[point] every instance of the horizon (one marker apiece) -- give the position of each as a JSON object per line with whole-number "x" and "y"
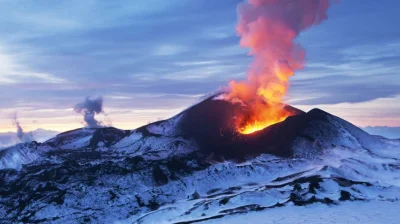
{"x": 153, "y": 59}
{"x": 13, "y": 131}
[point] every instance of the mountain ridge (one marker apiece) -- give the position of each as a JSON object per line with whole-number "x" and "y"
{"x": 164, "y": 171}
{"x": 10, "y": 138}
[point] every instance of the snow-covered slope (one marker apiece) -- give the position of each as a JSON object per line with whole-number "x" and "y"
{"x": 268, "y": 182}
{"x": 87, "y": 137}
{"x": 100, "y": 187}
{"x": 18, "y": 155}
{"x": 83, "y": 139}
{"x": 359, "y": 212}
{"x": 193, "y": 168}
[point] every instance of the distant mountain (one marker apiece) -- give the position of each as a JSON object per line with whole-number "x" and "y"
{"x": 40, "y": 135}
{"x": 195, "y": 167}
{"x": 387, "y": 132}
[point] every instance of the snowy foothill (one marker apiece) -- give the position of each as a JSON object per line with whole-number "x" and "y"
{"x": 374, "y": 212}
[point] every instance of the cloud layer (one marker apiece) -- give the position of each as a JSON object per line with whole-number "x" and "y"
{"x": 160, "y": 55}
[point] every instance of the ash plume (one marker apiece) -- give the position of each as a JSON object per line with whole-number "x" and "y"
{"x": 21, "y": 135}
{"x": 89, "y": 108}
{"x": 269, "y": 28}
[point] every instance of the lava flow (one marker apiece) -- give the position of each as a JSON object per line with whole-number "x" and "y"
{"x": 269, "y": 29}
{"x": 250, "y": 122}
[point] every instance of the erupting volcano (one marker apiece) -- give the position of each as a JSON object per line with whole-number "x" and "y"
{"x": 270, "y": 28}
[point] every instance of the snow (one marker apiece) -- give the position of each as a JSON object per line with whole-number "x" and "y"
{"x": 126, "y": 144}
{"x": 73, "y": 139}
{"x": 15, "y": 157}
{"x": 245, "y": 184}
{"x": 77, "y": 143}
{"x": 127, "y": 169}
{"x": 167, "y": 128}
{"x": 24, "y": 153}
{"x": 349, "y": 212}
{"x": 153, "y": 147}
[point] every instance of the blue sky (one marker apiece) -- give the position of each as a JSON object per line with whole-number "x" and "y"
{"x": 149, "y": 59}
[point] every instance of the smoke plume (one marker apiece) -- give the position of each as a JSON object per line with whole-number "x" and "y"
{"x": 21, "y": 135}
{"x": 89, "y": 108}
{"x": 269, "y": 28}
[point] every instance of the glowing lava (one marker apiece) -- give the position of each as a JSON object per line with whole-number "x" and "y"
{"x": 256, "y": 125}
{"x": 254, "y": 118}
{"x": 269, "y": 29}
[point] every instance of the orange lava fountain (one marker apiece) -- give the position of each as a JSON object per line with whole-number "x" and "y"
{"x": 269, "y": 29}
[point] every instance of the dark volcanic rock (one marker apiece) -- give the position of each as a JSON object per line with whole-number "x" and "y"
{"x": 211, "y": 125}
{"x": 107, "y": 136}
{"x": 104, "y": 136}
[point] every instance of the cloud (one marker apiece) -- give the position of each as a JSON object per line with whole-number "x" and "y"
{"x": 168, "y": 49}
{"x": 204, "y": 72}
{"x": 196, "y": 63}
{"x": 344, "y": 88}
{"x": 387, "y": 132}
{"x": 11, "y": 71}
{"x": 377, "y": 112}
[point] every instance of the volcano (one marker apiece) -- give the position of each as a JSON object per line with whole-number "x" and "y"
{"x": 195, "y": 167}
{"x": 210, "y": 125}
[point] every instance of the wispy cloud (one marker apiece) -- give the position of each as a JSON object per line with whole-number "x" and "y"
{"x": 377, "y": 112}
{"x": 168, "y": 50}
{"x": 344, "y": 88}
{"x": 11, "y": 71}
